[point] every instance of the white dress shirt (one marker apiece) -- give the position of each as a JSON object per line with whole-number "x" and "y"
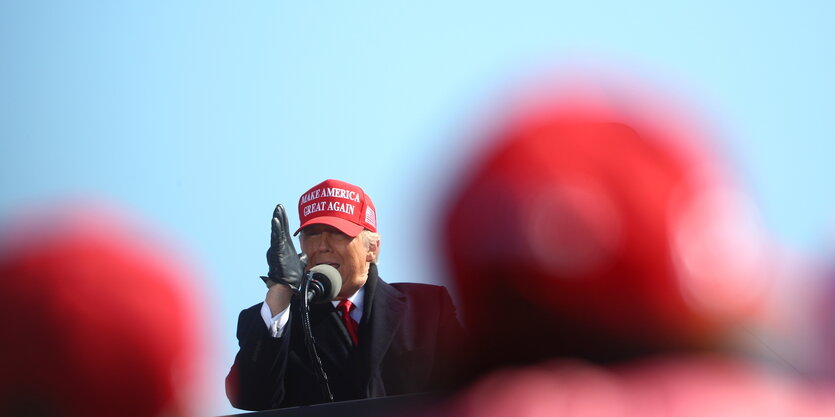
{"x": 275, "y": 324}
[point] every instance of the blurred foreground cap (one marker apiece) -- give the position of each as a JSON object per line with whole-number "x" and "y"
{"x": 96, "y": 317}
{"x": 599, "y": 219}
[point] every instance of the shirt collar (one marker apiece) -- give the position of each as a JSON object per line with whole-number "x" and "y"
{"x": 358, "y": 300}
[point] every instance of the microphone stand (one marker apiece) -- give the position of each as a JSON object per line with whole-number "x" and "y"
{"x": 321, "y": 376}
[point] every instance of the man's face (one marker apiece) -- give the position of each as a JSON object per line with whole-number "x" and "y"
{"x": 351, "y": 256}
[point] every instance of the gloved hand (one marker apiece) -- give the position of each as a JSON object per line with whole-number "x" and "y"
{"x": 286, "y": 267}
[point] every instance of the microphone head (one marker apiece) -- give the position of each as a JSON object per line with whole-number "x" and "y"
{"x": 330, "y": 279}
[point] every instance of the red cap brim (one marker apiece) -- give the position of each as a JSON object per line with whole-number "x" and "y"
{"x": 345, "y": 226}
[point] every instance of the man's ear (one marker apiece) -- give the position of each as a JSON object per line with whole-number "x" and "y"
{"x": 373, "y": 250}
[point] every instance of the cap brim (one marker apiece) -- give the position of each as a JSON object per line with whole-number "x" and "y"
{"x": 349, "y": 228}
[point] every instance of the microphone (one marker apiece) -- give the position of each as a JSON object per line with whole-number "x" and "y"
{"x": 325, "y": 283}
{"x": 320, "y": 285}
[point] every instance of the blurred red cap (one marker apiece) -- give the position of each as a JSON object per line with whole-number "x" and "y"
{"x": 602, "y": 213}
{"x": 95, "y": 318}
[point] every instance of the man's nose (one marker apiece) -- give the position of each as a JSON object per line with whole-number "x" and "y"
{"x": 324, "y": 242}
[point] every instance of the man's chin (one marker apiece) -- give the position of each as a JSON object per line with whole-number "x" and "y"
{"x": 347, "y": 292}
{"x": 344, "y": 295}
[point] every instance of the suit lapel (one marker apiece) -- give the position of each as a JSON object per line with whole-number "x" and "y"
{"x": 383, "y": 312}
{"x": 332, "y": 340}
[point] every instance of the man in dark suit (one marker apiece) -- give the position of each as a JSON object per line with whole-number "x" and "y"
{"x": 375, "y": 339}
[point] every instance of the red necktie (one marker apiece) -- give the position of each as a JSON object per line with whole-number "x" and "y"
{"x": 345, "y": 308}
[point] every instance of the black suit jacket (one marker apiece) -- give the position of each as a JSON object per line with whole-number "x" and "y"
{"x": 409, "y": 340}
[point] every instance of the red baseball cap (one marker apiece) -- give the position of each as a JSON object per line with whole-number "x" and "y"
{"x": 339, "y": 204}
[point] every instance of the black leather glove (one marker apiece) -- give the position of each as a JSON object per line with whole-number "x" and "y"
{"x": 286, "y": 267}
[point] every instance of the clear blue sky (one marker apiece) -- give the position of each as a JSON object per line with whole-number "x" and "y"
{"x": 202, "y": 115}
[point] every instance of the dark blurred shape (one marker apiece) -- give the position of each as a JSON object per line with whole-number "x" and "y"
{"x": 601, "y": 232}
{"x": 822, "y": 324}
{"x": 96, "y": 320}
